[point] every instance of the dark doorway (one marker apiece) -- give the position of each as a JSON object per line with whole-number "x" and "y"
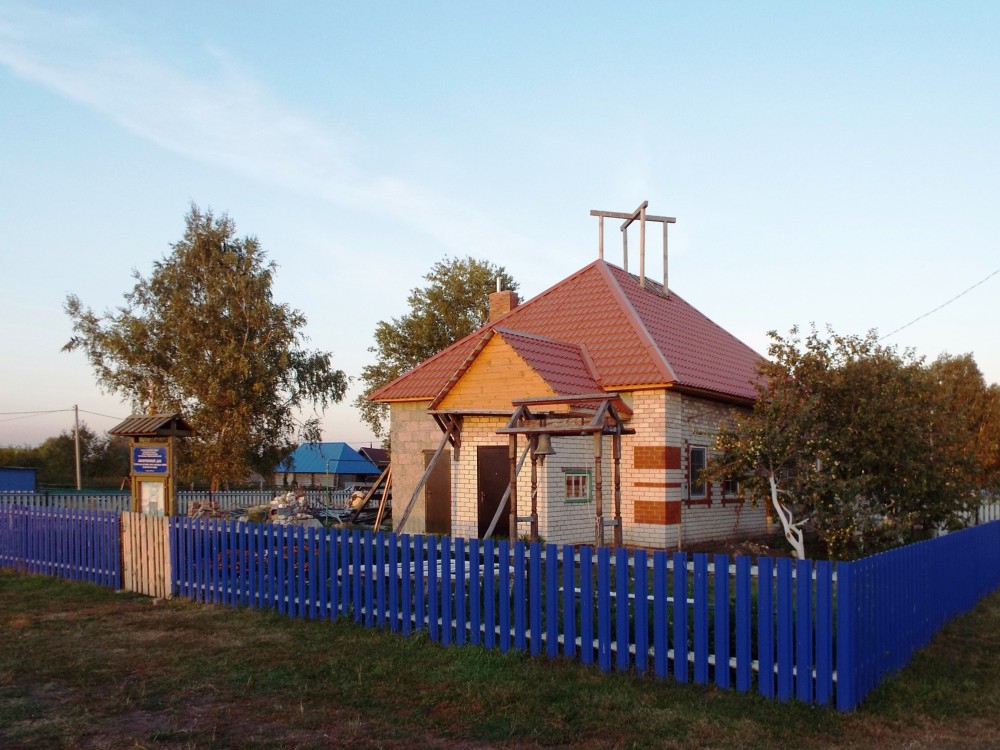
{"x": 437, "y": 494}
{"x": 494, "y": 476}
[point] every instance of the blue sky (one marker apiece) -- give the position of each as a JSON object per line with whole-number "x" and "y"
{"x": 836, "y": 163}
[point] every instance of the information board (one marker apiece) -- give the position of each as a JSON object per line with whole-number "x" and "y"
{"x": 149, "y": 459}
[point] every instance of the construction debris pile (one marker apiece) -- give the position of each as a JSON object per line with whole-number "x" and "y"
{"x": 294, "y": 509}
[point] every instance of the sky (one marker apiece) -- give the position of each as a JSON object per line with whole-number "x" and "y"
{"x": 833, "y": 164}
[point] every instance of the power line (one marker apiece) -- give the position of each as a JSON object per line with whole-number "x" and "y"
{"x": 945, "y": 304}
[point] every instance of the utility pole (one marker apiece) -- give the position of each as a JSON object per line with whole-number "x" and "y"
{"x": 76, "y": 440}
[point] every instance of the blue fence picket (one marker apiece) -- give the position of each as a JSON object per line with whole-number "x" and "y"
{"x": 475, "y": 592}
{"x": 393, "y": 583}
{"x": 765, "y": 626}
{"x": 420, "y": 581}
{"x": 680, "y": 617}
{"x": 569, "y": 601}
{"x": 622, "y": 635}
{"x": 785, "y": 612}
{"x": 552, "y": 600}
{"x": 503, "y": 573}
{"x": 701, "y": 618}
{"x": 432, "y": 588}
{"x": 367, "y": 576}
{"x": 604, "y": 609}
{"x": 744, "y": 604}
{"x": 660, "y": 614}
{"x": 489, "y": 594}
{"x": 587, "y": 605}
{"x": 641, "y": 608}
{"x": 406, "y": 574}
{"x": 520, "y": 616}
{"x": 535, "y": 597}
{"x": 803, "y": 631}
{"x": 824, "y": 632}
{"x": 721, "y": 624}
{"x": 446, "y": 591}
{"x": 461, "y": 576}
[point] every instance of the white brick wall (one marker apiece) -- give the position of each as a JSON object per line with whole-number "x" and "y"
{"x": 660, "y": 418}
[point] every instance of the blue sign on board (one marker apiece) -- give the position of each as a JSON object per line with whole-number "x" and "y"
{"x": 149, "y": 459}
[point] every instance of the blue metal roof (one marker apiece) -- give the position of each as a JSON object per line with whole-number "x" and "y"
{"x": 322, "y": 458}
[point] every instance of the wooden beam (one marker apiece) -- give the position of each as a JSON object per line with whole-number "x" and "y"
{"x": 619, "y": 215}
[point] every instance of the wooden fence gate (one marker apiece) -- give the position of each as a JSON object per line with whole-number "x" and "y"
{"x": 146, "y": 554}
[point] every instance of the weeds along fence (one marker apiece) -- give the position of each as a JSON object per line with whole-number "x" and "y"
{"x": 786, "y": 629}
{"x": 122, "y": 501}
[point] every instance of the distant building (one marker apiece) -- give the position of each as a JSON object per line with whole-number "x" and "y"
{"x": 17, "y": 479}
{"x": 333, "y": 465}
{"x": 378, "y": 456}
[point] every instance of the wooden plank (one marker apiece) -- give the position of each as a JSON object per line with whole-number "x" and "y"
{"x": 569, "y": 602}
{"x": 587, "y": 605}
{"x": 641, "y": 608}
{"x": 803, "y": 631}
{"x": 765, "y": 626}
{"x": 520, "y": 617}
{"x": 503, "y": 571}
{"x": 535, "y": 597}
{"x": 744, "y": 603}
{"x": 701, "y": 618}
{"x": 622, "y": 613}
{"x": 552, "y": 600}
{"x": 446, "y": 601}
{"x": 604, "y": 609}
{"x": 461, "y": 594}
{"x": 722, "y": 621}
{"x": 489, "y": 595}
{"x": 680, "y": 617}
{"x": 660, "y": 622}
{"x": 432, "y": 587}
{"x": 786, "y": 653}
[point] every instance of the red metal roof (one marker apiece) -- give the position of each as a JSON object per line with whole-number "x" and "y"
{"x": 563, "y": 366}
{"x": 632, "y": 336}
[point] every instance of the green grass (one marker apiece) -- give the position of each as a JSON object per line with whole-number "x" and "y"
{"x": 84, "y": 667}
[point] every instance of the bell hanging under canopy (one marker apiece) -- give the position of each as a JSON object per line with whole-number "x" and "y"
{"x": 543, "y": 445}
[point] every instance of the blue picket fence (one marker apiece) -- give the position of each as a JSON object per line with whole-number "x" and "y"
{"x": 79, "y": 545}
{"x": 891, "y": 604}
{"x": 702, "y": 618}
{"x": 786, "y": 629}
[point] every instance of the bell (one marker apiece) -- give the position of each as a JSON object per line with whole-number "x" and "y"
{"x": 543, "y": 445}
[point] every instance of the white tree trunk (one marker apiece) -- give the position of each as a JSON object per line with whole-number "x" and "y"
{"x": 793, "y": 531}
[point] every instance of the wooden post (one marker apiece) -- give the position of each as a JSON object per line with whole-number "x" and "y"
{"x": 666, "y": 290}
{"x": 617, "y": 452}
{"x": 512, "y": 455}
{"x": 625, "y": 250}
{"x": 534, "y": 490}
{"x": 642, "y": 245}
{"x": 598, "y": 496}
{"x": 600, "y": 237}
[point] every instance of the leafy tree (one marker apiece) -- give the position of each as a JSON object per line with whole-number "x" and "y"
{"x": 202, "y": 335}
{"x": 453, "y": 304}
{"x": 104, "y": 460}
{"x": 855, "y": 440}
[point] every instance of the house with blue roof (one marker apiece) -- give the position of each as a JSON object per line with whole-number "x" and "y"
{"x": 334, "y": 465}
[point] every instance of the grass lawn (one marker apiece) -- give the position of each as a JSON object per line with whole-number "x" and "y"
{"x": 84, "y": 667}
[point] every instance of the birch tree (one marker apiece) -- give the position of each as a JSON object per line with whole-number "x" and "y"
{"x": 202, "y": 335}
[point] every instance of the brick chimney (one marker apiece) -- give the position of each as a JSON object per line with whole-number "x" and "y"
{"x": 502, "y": 303}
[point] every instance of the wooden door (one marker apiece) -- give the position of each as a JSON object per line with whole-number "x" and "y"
{"x": 493, "y": 471}
{"x": 437, "y": 495}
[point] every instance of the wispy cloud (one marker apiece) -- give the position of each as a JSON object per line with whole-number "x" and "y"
{"x": 224, "y": 118}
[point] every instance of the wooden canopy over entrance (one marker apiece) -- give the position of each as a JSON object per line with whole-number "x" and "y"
{"x": 575, "y": 416}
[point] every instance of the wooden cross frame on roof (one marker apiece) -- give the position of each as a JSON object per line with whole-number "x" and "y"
{"x": 589, "y": 414}
{"x": 642, "y": 217}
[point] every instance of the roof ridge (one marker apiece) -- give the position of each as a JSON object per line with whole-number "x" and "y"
{"x": 647, "y": 340}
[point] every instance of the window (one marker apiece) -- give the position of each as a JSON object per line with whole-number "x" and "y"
{"x": 578, "y": 486}
{"x": 731, "y": 490}
{"x": 697, "y": 486}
